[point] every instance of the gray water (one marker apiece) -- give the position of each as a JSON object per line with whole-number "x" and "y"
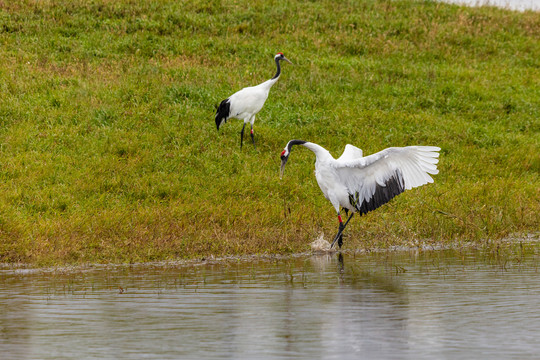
{"x": 428, "y": 305}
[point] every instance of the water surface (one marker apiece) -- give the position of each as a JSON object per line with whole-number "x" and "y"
{"x": 427, "y": 305}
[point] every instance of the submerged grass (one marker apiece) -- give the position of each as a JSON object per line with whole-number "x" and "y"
{"x": 109, "y": 152}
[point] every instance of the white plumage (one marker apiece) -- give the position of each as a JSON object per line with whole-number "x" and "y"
{"x": 362, "y": 184}
{"x": 246, "y": 103}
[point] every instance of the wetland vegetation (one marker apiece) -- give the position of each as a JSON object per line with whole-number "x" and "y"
{"x": 108, "y": 146}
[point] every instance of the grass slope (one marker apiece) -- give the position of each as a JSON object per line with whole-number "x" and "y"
{"x": 109, "y": 152}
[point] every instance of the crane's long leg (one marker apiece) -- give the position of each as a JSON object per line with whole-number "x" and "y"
{"x": 339, "y": 235}
{"x": 242, "y": 135}
{"x": 252, "y": 136}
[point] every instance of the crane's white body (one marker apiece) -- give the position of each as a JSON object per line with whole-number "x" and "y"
{"x": 246, "y": 103}
{"x": 365, "y": 178}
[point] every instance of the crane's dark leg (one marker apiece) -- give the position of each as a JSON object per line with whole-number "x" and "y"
{"x": 339, "y": 235}
{"x": 252, "y": 136}
{"x": 242, "y": 135}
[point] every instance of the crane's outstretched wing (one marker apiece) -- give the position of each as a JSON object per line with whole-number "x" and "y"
{"x": 351, "y": 152}
{"x": 375, "y": 179}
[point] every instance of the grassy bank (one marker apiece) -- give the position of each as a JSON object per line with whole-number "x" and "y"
{"x": 109, "y": 152}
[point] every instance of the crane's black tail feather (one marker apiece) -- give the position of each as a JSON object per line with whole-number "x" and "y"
{"x": 223, "y": 112}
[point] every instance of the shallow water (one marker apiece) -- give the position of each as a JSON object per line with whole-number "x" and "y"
{"x": 426, "y": 305}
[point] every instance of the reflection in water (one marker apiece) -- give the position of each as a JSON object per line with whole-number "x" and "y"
{"x": 402, "y": 306}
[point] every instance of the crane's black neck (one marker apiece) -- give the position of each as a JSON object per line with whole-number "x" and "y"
{"x": 278, "y": 72}
{"x": 295, "y": 142}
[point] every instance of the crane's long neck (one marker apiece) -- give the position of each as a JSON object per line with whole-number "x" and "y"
{"x": 269, "y": 83}
{"x": 278, "y": 71}
{"x": 320, "y": 152}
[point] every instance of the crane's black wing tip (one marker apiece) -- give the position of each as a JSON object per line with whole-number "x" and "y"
{"x": 394, "y": 186}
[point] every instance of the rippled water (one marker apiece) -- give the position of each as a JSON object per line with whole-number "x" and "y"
{"x": 430, "y": 305}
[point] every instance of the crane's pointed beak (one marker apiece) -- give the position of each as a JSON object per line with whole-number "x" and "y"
{"x": 282, "y": 169}
{"x": 287, "y": 60}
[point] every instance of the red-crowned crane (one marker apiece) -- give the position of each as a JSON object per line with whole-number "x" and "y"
{"x": 246, "y": 103}
{"x": 362, "y": 184}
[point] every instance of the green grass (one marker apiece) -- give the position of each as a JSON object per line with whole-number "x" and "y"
{"x": 108, "y": 146}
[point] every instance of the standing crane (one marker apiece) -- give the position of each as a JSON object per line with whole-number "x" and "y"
{"x": 362, "y": 184}
{"x": 246, "y": 103}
